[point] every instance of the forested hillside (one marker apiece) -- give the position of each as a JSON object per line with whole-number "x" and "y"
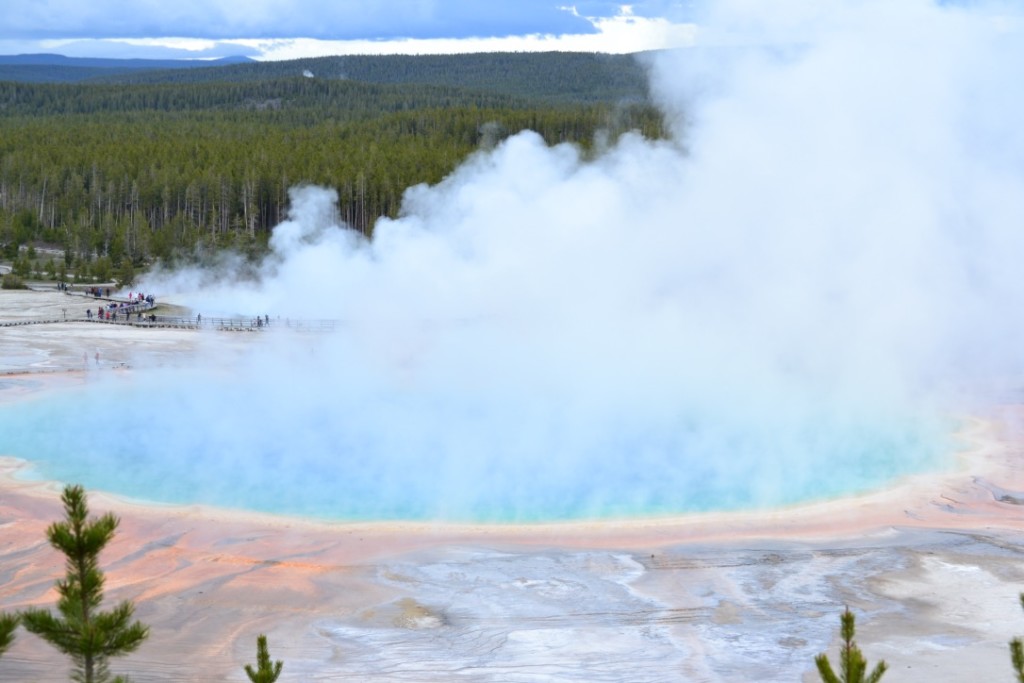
{"x": 121, "y": 175}
{"x": 567, "y": 77}
{"x": 302, "y": 98}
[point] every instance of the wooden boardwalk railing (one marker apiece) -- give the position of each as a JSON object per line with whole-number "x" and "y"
{"x": 137, "y": 313}
{"x": 184, "y": 323}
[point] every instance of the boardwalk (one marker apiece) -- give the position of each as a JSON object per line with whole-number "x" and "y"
{"x": 183, "y": 323}
{"x": 139, "y": 314}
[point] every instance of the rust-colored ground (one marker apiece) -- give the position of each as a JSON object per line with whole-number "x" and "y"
{"x": 932, "y": 566}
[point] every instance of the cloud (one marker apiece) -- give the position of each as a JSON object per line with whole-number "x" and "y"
{"x": 226, "y": 19}
{"x": 287, "y": 31}
{"x": 619, "y": 35}
{"x": 782, "y": 22}
{"x": 128, "y": 48}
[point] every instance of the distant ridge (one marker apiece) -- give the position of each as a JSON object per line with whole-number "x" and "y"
{"x": 108, "y": 63}
{"x": 55, "y": 68}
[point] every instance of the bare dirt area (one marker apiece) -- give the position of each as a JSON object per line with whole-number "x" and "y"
{"x": 72, "y": 342}
{"x": 932, "y": 566}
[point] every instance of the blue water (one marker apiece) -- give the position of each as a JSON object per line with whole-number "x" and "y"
{"x": 411, "y": 457}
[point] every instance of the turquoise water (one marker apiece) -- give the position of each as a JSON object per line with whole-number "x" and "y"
{"x": 413, "y": 457}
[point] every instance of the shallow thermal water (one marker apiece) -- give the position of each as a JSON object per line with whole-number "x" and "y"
{"x": 181, "y": 438}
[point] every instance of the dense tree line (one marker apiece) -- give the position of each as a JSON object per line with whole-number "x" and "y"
{"x": 552, "y": 76}
{"x": 564, "y": 77}
{"x": 119, "y": 176}
{"x": 314, "y": 97}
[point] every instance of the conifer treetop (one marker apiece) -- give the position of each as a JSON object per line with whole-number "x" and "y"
{"x": 264, "y": 671}
{"x": 90, "y": 637}
{"x": 852, "y": 665}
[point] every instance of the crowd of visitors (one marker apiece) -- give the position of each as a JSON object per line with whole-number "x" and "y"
{"x": 123, "y": 310}
{"x": 118, "y": 310}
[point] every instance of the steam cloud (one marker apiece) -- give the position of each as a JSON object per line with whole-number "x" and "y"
{"x": 788, "y": 298}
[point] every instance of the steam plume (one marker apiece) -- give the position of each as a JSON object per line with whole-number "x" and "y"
{"x": 788, "y": 298}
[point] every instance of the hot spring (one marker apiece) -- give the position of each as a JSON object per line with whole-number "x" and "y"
{"x": 343, "y": 450}
{"x": 778, "y": 304}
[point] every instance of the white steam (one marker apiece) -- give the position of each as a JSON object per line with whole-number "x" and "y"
{"x": 804, "y": 279}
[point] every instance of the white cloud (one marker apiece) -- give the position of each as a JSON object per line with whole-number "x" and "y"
{"x": 618, "y": 35}
{"x": 622, "y": 32}
{"x": 322, "y": 19}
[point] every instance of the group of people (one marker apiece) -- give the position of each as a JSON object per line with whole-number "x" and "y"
{"x": 134, "y": 305}
{"x": 139, "y": 298}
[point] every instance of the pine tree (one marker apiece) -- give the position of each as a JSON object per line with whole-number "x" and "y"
{"x": 1017, "y": 653}
{"x": 852, "y": 664}
{"x": 8, "y": 623}
{"x": 264, "y": 671}
{"x": 84, "y": 633}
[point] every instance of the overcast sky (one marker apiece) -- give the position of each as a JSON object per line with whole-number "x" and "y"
{"x": 283, "y": 29}
{"x": 288, "y": 29}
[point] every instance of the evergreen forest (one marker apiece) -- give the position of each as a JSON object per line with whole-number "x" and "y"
{"x": 119, "y": 168}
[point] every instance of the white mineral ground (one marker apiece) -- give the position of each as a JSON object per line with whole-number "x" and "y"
{"x": 932, "y": 566}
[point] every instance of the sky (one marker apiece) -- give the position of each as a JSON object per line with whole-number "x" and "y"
{"x": 292, "y": 29}
{"x": 288, "y": 29}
